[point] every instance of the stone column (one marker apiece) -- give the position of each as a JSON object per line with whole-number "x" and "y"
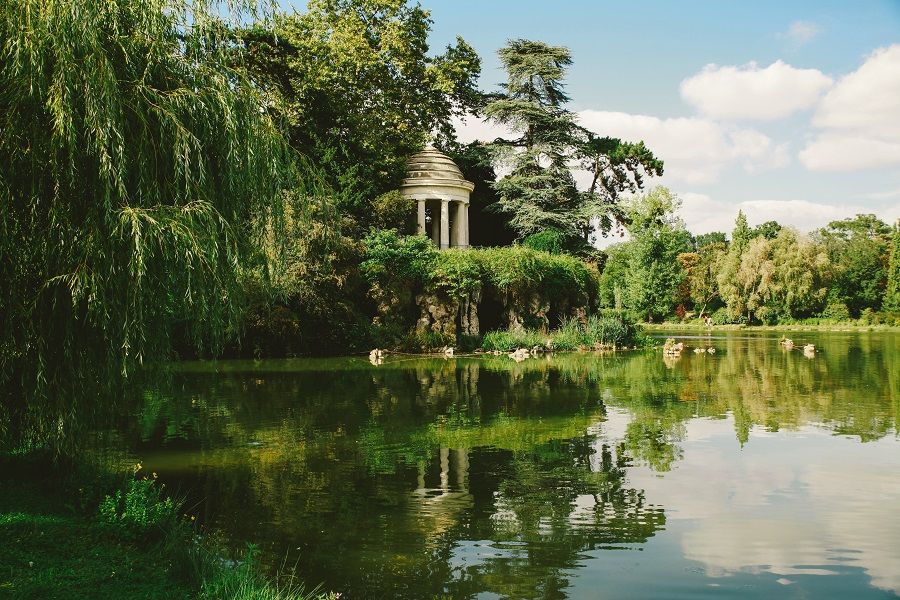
{"x": 420, "y": 220}
{"x": 465, "y": 224}
{"x": 445, "y": 224}
{"x": 436, "y": 227}
{"x": 455, "y": 239}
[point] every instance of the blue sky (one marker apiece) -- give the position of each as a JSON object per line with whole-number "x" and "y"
{"x": 787, "y": 110}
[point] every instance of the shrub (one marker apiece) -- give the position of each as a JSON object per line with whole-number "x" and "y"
{"x": 549, "y": 240}
{"x": 391, "y": 256}
{"x": 610, "y": 330}
{"x": 597, "y": 330}
{"x": 507, "y": 341}
{"x": 767, "y": 315}
{"x": 141, "y": 511}
{"x": 393, "y": 210}
{"x": 836, "y": 311}
{"x": 722, "y": 316}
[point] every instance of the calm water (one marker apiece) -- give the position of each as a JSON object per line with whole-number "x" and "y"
{"x": 749, "y": 472}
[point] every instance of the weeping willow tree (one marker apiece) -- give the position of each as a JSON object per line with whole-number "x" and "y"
{"x": 138, "y": 171}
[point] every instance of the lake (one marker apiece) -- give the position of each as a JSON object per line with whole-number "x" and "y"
{"x": 749, "y": 472}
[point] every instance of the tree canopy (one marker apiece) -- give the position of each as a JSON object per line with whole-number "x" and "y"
{"x": 136, "y": 171}
{"x": 540, "y": 191}
{"x": 358, "y": 90}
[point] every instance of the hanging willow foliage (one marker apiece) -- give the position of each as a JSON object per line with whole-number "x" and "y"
{"x": 138, "y": 169}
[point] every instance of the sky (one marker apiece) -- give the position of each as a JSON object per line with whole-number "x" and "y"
{"x": 785, "y": 110}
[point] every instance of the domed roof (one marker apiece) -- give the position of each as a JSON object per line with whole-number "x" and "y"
{"x": 432, "y": 164}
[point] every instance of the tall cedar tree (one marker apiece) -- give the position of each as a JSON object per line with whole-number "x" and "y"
{"x": 540, "y": 191}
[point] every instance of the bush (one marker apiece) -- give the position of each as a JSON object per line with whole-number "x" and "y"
{"x": 391, "y": 256}
{"x": 507, "y": 341}
{"x": 141, "y": 511}
{"x": 767, "y": 315}
{"x": 610, "y": 330}
{"x": 836, "y": 311}
{"x": 723, "y": 317}
{"x": 550, "y": 240}
{"x": 393, "y": 210}
{"x": 596, "y": 331}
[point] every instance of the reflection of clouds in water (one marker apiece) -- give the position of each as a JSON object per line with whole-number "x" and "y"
{"x": 781, "y": 506}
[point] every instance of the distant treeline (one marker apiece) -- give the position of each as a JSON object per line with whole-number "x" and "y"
{"x": 768, "y": 274}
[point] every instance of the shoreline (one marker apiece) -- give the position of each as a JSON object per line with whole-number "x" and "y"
{"x": 836, "y": 328}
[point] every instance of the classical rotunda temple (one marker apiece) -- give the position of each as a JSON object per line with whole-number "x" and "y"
{"x": 435, "y": 182}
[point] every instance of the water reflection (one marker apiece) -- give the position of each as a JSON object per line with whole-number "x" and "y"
{"x": 549, "y": 477}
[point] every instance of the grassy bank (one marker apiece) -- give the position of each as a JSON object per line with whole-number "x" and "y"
{"x": 596, "y": 332}
{"x": 835, "y": 327}
{"x": 62, "y": 536}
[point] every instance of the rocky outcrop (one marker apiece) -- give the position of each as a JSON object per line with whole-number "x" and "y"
{"x": 437, "y": 314}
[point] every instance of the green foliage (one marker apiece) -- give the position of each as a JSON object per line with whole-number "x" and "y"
{"x": 723, "y": 316}
{"x": 141, "y": 511}
{"x": 705, "y": 239}
{"x": 892, "y": 290}
{"x": 597, "y": 331}
{"x": 645, "y": 269}
{"x": 858, "y": 250}
{"x": 741, "y": 234}
{"x": 775, "y": 279}
{"x": 539, "y": 193}
{"x": 356, "y": 85}
{"x": 507, "y": 341}
{"x": 393, "y": 210}
{"x": 836, "y": 311}
{"x": 390, "y": 257}
{"x": 137, "y": 175}
{"x": 244, "y": 582}
{"x": 549, "y": 240}
{"x": 701, "y": 269}
{"x": 412, "y": 260}
{"x": 768, "y": 230}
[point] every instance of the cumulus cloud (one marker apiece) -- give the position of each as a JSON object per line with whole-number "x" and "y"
{"x": 859, "y": 118}
{"x": 780, "y": 516}
{"x": 751, "y": 92}
{"x": 695, "y": 150}
{"x": 702, "y": 213}
{"x": 472, "y": 129}
{"x": 801, "y": 32}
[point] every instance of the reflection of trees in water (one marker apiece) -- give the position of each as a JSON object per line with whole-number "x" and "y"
{"x": 378, "y": 474}
{"x": 558, "y": 502}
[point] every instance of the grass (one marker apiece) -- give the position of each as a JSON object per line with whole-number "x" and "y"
{"x": 825, "y": 327}
{"x": 595, "y": 332}
{"x": 56, "y": 545}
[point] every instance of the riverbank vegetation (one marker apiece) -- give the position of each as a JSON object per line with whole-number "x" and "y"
{"x": 199, "y": 179}
{"x": 843, "y": 274}
{"x": 65, "y": 530}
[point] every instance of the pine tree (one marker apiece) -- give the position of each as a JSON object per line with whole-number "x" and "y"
{"x": 540, "y": 191}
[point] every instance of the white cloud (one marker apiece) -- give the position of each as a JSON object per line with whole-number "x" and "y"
{"x": 840, "y": 152}
{"x": 801, "y": 32}
{"x": 772, "y": 507}
{"x": 695, "y": 150}
{"x": 702, "y": 213}
{"x": 886, "y": 195}
{"x": 860, "y": 118}
{"x": 751, "y": 92}
{"x": 474, "y": 129}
